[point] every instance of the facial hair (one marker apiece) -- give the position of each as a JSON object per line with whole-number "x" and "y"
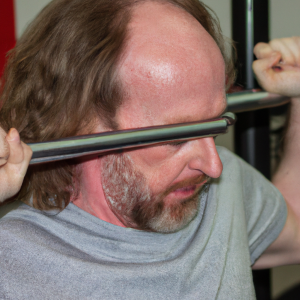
{"x": 136, "y": 206}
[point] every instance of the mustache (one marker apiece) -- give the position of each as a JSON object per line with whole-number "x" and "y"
{"x": 143, "y": 211}
{"x": 187, "y": 183}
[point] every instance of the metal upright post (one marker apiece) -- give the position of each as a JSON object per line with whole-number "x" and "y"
{"x": 249, "y": 44}
{"x": 249, "y": 26}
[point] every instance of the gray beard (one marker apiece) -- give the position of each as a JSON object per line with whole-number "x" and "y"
{"x": 131, "y": 200}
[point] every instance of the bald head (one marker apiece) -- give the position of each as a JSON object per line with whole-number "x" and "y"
{"x": 171, "y": 71}
{"x": 169, "y": 62}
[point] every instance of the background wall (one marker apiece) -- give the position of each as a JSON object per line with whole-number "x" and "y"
{"x": 7, "y": 30}
{"x": 25, "y": 11}
{"x": 284, "y": 21}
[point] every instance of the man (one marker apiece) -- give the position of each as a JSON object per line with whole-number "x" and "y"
{"x": 143, "y": 224}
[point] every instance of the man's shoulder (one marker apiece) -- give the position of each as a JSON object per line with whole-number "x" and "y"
{"x": 18, "y": 225}
{"x": 231, "y": 161}
{"x": 21, "y": 213}
{"x": 28, "y": 235}
{"x": 26, "y": 226}
{"x": 226, "y": 155}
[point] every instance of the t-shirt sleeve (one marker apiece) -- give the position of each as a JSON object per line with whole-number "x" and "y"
{"x": 265, "y": 210}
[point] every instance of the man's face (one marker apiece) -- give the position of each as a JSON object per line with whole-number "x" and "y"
{"x": 133, "y": 202}
{"x": 172, "y": 72}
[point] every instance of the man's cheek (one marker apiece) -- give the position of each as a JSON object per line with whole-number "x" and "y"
{"x": 152, "y": 157}
{"x": 160, "y": 180}
{"x": 159, "y": 165}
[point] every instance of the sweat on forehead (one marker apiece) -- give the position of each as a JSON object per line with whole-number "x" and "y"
{"x": 168, "y": 54}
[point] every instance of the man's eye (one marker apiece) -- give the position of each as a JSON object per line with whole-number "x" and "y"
{"x": 177, "y": 144}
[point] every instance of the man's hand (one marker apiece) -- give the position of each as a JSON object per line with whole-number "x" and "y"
{"x": 278, "y": 66}
{"x": 14, "y": 160}
{"x": 278, "y": 71}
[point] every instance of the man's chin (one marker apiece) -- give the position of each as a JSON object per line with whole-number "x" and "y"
{"x": 175, "y": 217}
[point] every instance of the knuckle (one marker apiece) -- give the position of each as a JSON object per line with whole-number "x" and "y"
{"x": 276, "y": 44}
{"x": 260, "y": 47}
{"x": 297, "y": 40}
{"x": 258, "y": 67}
{"x": 273, "y": 42}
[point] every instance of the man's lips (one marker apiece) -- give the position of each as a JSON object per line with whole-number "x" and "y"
{"x": 189, "y": 190}
{"x": 185, "y": 192}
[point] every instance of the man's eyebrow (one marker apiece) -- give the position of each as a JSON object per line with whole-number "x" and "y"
{"x": 181, "y": 120}
{"x": 187, "y": 119}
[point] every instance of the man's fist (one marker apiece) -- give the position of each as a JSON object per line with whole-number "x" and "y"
{"x": 278, "y": 66}
{"x": 14, "y": 160}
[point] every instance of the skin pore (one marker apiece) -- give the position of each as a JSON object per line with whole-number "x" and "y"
{"x": 171, "y": 71}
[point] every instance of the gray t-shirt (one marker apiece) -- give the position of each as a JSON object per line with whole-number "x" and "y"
{"x": 74, "y": 255}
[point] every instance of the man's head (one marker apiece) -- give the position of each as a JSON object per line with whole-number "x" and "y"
{"x": 178, "y": 77}
{"x": 76, "y": 65}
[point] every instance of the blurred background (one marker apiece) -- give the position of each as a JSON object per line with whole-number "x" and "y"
{"x": 284, "y": 21}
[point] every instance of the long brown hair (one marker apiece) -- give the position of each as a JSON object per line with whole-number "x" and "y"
{"x": 61, "y": 76}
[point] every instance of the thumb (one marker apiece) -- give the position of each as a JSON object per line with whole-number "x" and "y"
{"x": 16, "y": 154}
{"x": 266, "y": 63}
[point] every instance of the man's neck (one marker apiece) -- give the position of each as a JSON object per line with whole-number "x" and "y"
{"x": 91, "y": 197}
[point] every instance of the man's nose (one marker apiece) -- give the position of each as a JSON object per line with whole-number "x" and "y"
{"x": 205, "y": 157}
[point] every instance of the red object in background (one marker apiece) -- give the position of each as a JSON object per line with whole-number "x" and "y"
{"x": 7, "y": 30}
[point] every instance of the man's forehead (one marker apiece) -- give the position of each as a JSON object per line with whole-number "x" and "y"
{"x": 136, "y": 114}
{"x": 169, "y": 62}
{"x": 163, "y": 16}
{"x": 154, "y": 25}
